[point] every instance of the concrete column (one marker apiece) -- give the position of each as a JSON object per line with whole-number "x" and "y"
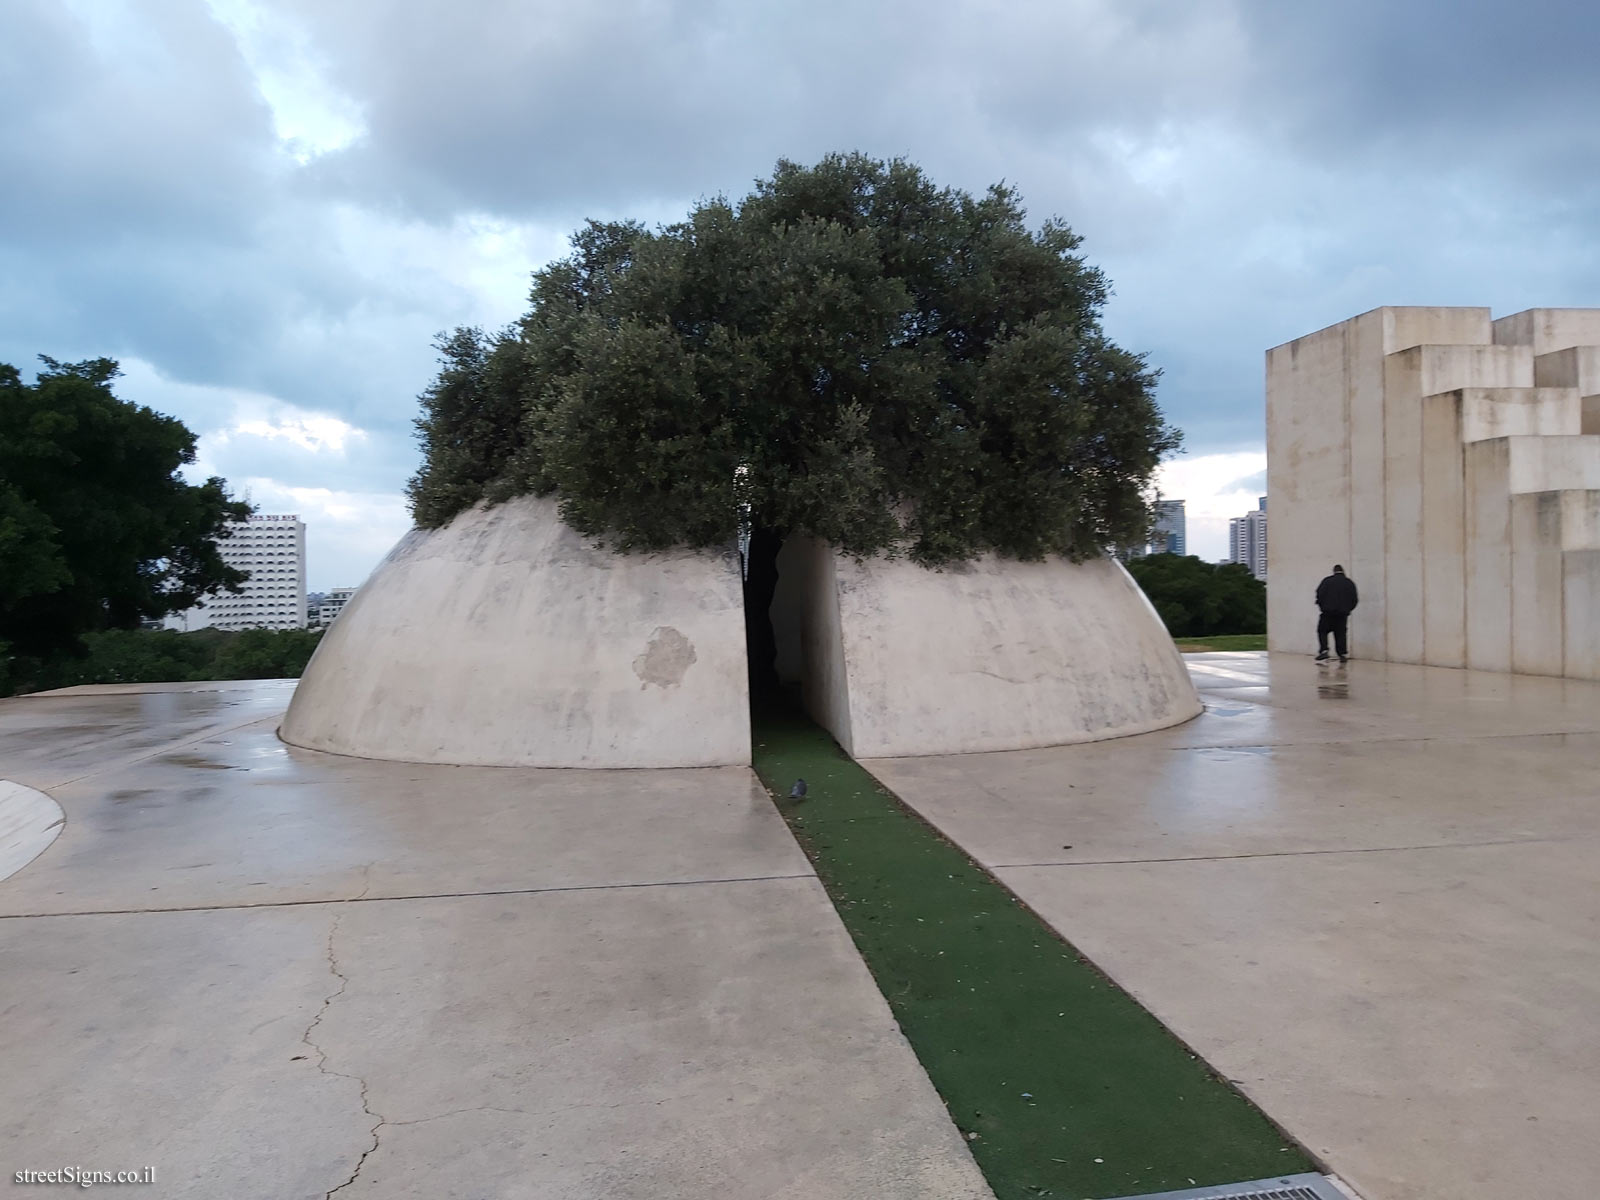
{"x": 1536, "y": 583}
{"x": 1444, "y": 531}
{"x": 1488, "y": 544}
{"x": 1580, "y": 578}
{"x": 1308, "y": 476}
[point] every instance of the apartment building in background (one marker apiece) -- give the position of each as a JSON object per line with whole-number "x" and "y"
{"x": 1247, "y": 540}
{"x": 332, "y": 605}
{"x": 272, "y": 549}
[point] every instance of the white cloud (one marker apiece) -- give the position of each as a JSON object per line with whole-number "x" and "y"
{"x": 309, "y": 115}
{"x": 1208, "y": 484}
{"x": 347, "y": 533}
{"x": 315, "y": 432}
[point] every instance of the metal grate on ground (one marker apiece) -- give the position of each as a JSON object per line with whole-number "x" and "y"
{"x": 1286, "y": 1187}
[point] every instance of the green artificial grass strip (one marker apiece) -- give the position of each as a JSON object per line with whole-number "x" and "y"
{"x": 1071, "y": 1088}
{"x": 1223, "y": 641}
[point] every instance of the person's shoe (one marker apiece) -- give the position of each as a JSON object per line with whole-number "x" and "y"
{"x": 1322, "y": 656}
{"x": 1344, "y": 658}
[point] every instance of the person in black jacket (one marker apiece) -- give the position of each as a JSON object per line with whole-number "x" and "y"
{"x": 1336, "y": 597}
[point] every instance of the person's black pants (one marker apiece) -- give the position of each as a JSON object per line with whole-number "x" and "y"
{"x": 1336, "y": 624}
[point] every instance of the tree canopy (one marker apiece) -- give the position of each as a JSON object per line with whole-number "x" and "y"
{"x": 850, "y": 352}
{"x": 1201, "y": 599}
{"x": 97, "y": 529}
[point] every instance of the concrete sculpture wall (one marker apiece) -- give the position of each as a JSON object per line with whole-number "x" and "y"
{"x": 506, "y": 639}
{"x": 990, "y": 655}
{"x": 1452, "y": 463}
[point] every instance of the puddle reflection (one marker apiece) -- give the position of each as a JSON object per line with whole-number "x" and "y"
{"x": 1334, "y": 687}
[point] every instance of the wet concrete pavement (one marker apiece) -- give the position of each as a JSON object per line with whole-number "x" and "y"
{"x": 1370, "y": 895}
{"x": 271, "y": 972}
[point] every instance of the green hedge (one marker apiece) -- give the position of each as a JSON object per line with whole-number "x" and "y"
{"x": 164, "y": 656}
{"x": 1199, "y": 599}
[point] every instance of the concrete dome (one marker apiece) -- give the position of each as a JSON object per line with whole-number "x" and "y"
{"x": 506, "y": 639}
{"x": 992, "y": 654}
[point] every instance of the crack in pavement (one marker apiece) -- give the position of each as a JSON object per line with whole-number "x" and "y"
{"x": 363, "y": 898}
{"x": 322, "y": 1055}
{"x": 1137, "y": 862}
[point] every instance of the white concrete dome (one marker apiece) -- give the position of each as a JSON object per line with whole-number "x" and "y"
{"x": 506, "y": 639}
{"x": 992, "y": 654}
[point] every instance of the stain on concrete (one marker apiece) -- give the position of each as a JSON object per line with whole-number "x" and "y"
{"x": 666, "y": 659}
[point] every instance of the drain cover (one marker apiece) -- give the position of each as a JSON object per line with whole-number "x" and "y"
{"x": 1285, "y": 1187}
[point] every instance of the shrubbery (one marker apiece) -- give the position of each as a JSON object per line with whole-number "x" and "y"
{"x": 164, "y": 656}
{"x": 1199, "y": 599}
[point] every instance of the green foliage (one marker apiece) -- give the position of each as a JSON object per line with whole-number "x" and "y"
{"x": 1199, "y": 599}
{"x": 850, "y": 351}
{"x": 265, "y": 654}
{"x": 97, "y": 529}
{"x": 164, "y": 656}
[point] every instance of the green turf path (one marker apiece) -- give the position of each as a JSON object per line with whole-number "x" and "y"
{"x": 1072, "y": 1089}
{"x": 1223, "y": 641}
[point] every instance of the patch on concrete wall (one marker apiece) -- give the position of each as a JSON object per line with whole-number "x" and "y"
{"x": 665, "y": 660}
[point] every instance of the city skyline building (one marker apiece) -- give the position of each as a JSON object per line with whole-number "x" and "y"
{"x": 1247, "y": 540}
{"x": 1169, "y": 535}
{"x": 1171, "y": 532}
{"x": 272, "y": 549}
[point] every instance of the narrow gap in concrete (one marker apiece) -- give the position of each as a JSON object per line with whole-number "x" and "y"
{"x": 761, "y": 582}
{"x": 1062, "y": 1084}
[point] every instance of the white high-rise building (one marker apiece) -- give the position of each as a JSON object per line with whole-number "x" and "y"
{"x": 1247, "y": 540}
{"x": 333, "y": 604}
{"x": 273, "y": 550}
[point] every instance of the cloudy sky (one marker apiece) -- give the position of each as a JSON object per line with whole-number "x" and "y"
{"x": 265, "y": 209}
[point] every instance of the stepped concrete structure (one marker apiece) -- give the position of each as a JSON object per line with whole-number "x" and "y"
{"x": 1451, "y": 463}
{"x": 895, "y": 659}
{"x": 506, "y": 639}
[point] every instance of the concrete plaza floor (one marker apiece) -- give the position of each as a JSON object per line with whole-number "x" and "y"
{"x": 268, "y": 972}
{"x": 1369, "y": 895}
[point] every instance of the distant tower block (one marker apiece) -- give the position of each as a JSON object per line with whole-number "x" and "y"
{"x": 506, "y": 639}
{"x": 1452, "y": 464}
{"x": 894, "y": 659}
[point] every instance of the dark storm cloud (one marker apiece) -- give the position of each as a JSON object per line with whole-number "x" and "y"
{"x": 1245, "y": 172}
{"x": 151, "y": 213}
{"x": 1512, "y": 82}
{"x": 555, "y": 110}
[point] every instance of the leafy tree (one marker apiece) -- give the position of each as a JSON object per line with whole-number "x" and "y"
{"x": 266, "y": 654}
{"x": 97, "y": 529}
{"x": 1201, "y": 599}
{"x": 849, "y": 352}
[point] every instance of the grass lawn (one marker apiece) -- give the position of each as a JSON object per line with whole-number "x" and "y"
{"x": 1225, "y": 641}
{"x": 1063, "y": 1085}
